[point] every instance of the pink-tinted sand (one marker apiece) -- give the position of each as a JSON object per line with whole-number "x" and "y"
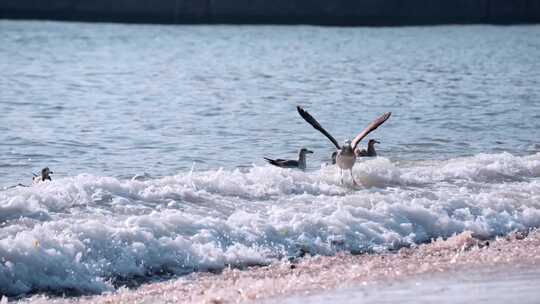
{"x": 321, "y": 273}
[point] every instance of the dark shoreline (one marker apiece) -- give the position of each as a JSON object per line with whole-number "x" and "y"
{"x": 287, "y": 12}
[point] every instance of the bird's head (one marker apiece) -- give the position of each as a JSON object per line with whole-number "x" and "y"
{"x": 304, "y": 151}
{"x": 373, "y": 141}
{"x": 346, "y": 145}
{"x": 45, "y": 172}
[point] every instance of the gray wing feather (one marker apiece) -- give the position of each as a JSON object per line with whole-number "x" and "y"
{"x": 283, "y": 163}
{"x": 315, "y": 124}
{"x": 372, "y": 126}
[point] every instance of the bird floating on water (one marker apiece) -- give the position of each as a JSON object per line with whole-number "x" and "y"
{"x": 370, "y": 149}
{"x": 345, "y": 155}
{"x": 45, "y": 175}
{"x": 290, "y": 163}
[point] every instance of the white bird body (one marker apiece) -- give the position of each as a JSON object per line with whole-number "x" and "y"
{"x": 37, "y": 179}
{"x": 345, "y": 159}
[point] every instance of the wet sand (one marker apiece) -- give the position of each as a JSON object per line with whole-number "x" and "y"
{"x": 434, "y": 269}
{"x": 507, "y": 285}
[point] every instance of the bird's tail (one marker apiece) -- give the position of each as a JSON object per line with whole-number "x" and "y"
{"x": 270, "y": 161}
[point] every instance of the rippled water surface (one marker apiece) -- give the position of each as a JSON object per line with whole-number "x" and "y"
{"x": 126, "y": 99}
{"x": 193, "y": 109}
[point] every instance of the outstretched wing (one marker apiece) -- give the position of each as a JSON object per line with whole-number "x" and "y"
{"x": 313, "y": 122}
{"x": 372, "y": 126}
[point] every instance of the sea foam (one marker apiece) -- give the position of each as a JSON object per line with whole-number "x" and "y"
{"x": 87, "y": 234}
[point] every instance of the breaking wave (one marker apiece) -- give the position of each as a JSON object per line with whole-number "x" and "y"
{"x": 84, "y": 233}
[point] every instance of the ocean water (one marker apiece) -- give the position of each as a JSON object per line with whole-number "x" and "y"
{"x": 156, "y": 136}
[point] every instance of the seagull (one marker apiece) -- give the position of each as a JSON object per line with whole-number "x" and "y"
{"x": 370, "y": 149}
{"x": 290, "y": 163}
{"x": 345, "y": 156}
{"x": 45, "y": 175}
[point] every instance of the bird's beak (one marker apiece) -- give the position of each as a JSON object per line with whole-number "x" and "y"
{"x": 377, "y": 142}
{"x": 309, "y": 151}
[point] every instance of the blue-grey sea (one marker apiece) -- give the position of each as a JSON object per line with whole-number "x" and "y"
{"x": 156, "y": 137}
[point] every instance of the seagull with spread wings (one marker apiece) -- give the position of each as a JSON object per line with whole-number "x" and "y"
{"x": 345, "y": 156}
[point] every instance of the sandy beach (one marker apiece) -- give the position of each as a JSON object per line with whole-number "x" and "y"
{"x": 433, "y": 269}
{"x": 509, "y": 284}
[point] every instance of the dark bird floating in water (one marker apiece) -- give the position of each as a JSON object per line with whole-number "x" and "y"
{"x": 290, "y": 163}
{"x": 345, "y": 156}
{"x": 45, "y": 175}
{"x": 370, "y": 149}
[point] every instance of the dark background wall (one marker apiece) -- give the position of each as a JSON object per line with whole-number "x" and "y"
{"x": 330, "y": 12}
